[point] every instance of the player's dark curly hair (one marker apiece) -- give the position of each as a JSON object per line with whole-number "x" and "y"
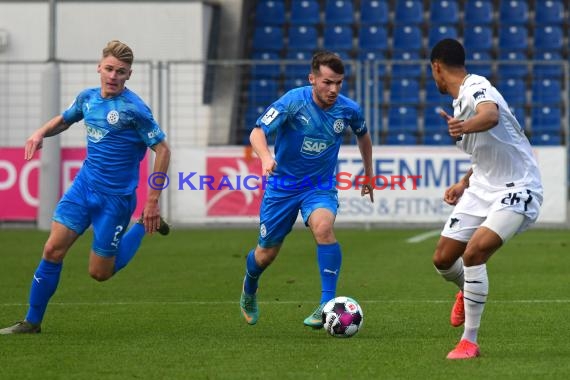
{"x": 328, "y": 59}
{"x": 449, "y": 52}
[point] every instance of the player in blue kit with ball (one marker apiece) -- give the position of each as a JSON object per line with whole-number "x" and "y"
{"x": 120, "y": 127}
{"x": 309, "y": 123}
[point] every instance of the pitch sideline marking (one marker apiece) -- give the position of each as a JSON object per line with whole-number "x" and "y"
{"x": 421, "y": 237}
{"x": 136, "y": 303}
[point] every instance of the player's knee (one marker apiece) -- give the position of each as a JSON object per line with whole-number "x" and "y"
{"x": 100, "y": 275}
{"x": 475, "y": 256}
{"x": 265, "y": 256}
{"x": 441, "y": 260}
{"x": 323, "y": 233}
{"x": 53, "y": 253}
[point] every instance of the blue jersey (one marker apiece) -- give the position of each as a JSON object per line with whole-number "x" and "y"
{"x": 308, "y": 138}
{"x": 119, "y": 130}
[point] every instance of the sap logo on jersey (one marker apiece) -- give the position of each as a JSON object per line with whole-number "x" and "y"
{"x": 95, "y": 134}
{"x": 152, "y": 134}
{"x": 313, "y": 146}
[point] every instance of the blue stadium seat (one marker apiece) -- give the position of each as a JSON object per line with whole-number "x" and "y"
{"x": 546, "y": 91}
{"x": 546, "y": 138}
{"x": 437, "y": 138}
{"x": 549, "y": 12}
{"x": 546, "y": 119}
{"x": 513, "y": 37}
{"x": 263, "y": 92}
{"x": 338, "y": 37}
{"x": 478, "y": 37}
{"x": 434, "y": 98}
{"x": 444, "y": 12}
{"x": 291, "y": 83}
{"x": 270, "y": 12}
{"x": 404, "y": 91}
{"x": 407, "y": 70}
{"x": 513, "y": 90}
{"x": 252, "y": 113}
{"x": 374, "y": 12}
{"x": 373, "y": 74}
{"x": 400, "y": 138}
{"x": 373, "y": 37}
{"x": 513, "y": 12}
{"x": 437, "y": 33}
{"x": 303, "y": 37}
{"x": 339, "y": 12}
{"x": 545, "y": 70}
{"x": 371, "y": 54}
{"x": 373, "y": 119}
{"x": 268, "y": 38}
{"x": 262, "y": 70}
{"x": 510, "y": 69}
{"x": 305, "y": 12}
{"x": 433, "y": 122}
{"x": 407, "y": 37}
{"x": 432, "y": 119}
{"x": 301, "y": 69}
{"x": 403, "y": 119}
{"x": 474, "y": 64}
{"x": 548, "y": 37}
{"x": 479, "y": 12}
{"x": 409, "y": 12}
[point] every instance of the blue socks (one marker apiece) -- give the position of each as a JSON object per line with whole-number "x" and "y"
{"x": 329, "y": 257}
{"x": 252, "y": 273}
{"x": 43, "y": 286}
{"x": 130, "y": 244}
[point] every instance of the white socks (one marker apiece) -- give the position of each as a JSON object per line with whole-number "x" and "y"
{"x": 475, "y": 293}
{"x": 454, "y": 273}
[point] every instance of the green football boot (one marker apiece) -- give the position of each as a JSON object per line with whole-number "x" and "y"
{"x": 315, "y": 320}
{"x": 22, "y": 327}
{"x": 248, "y": 305}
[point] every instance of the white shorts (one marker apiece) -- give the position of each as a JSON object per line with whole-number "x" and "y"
{"x": 505, "y": 212}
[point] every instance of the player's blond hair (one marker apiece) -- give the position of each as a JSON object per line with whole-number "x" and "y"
{"x": 119, "y": 50}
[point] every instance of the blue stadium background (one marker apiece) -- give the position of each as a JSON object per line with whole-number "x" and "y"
{"x": 521, "y": 46}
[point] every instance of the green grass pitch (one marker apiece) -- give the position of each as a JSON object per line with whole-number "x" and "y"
{"x": 173, "y": 313}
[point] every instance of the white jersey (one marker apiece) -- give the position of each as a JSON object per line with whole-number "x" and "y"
{"x": 501, "y": 156}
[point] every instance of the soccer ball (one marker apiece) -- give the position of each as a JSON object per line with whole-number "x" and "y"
{"x": 342, "y": 317}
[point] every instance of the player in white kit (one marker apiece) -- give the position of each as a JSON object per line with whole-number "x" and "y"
{"x": 499, "y": 196}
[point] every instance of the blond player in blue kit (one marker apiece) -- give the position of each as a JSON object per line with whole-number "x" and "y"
{"x": 120, "y": 127}
{"x": 309, "y": 123}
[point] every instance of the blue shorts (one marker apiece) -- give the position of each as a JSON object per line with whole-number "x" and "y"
{"x": 279, "y": 212}
{"x": 110, "y": 215}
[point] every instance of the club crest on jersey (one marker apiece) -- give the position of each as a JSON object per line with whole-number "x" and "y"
{"x": 338, "y": 125}
{"x": 269, "y": 116}
{"x": 113, "y": 117}
{"x": 95, "y": 134}
{"x": 313, "y": 146}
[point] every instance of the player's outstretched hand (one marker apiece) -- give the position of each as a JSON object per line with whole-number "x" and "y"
{"x": 367, "y": 189}
{"x": 33, "y": 144}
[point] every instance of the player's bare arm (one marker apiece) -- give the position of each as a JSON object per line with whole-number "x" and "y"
{"x": 151, "y": 213}
{"x": 365, "y": 147}
{"x": 486, "y": 117}
{"x": 53, "y": 127}
{"x": 259, "y": 144}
